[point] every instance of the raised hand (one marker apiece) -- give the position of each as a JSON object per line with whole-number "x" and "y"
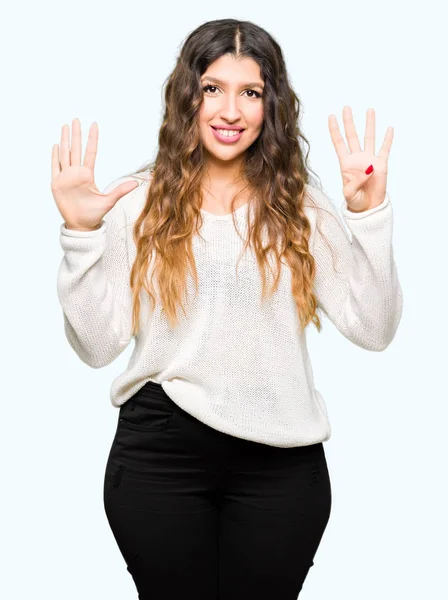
{"x": 363, "y": 187}
{"x": 78, "y": 199}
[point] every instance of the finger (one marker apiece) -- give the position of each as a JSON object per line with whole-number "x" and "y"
{"x": 350, "y": 130}
{"x": 369, "y": 138}
{"x": 75, "y": 155}
{"x": 353, "y": 187}
{"x": 386, "y": 146}
{"x": 336, "y": 137}
{"x": 121, "y": 190}
{"x": 64, "y": 154}
{"x": 91, "y": 147}
{"x": 55, "y": 166}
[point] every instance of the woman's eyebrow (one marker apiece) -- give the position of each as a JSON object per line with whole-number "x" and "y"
{"x": 219, "y": 82}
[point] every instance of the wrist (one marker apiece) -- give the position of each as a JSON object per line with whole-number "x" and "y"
{"x": 355, "y": 211}
{"x": 82, "y": 228}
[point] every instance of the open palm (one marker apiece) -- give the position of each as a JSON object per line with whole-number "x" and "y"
{"x": 361, "y": 190}
{"x": 77, "y": 197}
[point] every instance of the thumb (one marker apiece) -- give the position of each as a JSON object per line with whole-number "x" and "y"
{"x": 121, "y": 190}
{"x": 353, "y": 188}
{"x": 368, "y": 173}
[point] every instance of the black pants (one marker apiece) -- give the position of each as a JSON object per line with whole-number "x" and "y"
{"x": 200, "y": 514}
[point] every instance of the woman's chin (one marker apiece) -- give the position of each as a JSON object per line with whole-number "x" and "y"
{"x": 224, "y": 154}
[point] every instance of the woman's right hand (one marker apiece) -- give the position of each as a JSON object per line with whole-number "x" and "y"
{"x": 79, "y": 201}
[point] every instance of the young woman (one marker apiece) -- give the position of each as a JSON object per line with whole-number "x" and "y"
{"x": 214, "y": 259}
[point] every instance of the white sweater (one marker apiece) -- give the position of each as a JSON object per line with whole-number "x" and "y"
{"x": 240, "y": 367}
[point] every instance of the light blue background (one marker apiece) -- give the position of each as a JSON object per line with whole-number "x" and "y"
{"x": 106, "y": 62}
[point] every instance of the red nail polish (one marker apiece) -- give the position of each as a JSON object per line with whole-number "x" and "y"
{"x": 369, "y": 170}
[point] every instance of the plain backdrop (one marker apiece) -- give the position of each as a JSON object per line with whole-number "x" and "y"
{"x": 107, "y": 62}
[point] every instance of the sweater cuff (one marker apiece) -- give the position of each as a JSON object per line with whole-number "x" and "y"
{"x": 365, "y": 213}
{"x": 79, "y": 233}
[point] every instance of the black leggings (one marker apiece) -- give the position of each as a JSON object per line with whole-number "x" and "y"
{"x": 197, "y": 513}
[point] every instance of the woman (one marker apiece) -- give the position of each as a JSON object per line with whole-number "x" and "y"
{"x": 217, "y": 483}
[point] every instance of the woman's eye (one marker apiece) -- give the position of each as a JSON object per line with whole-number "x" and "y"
{"x": 209, "y": 87}
{"x": 257, "y": 94}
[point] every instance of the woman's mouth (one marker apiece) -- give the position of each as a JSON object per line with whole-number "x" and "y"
{"x": 226, "y": 135}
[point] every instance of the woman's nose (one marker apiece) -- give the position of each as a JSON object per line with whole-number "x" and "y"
{"x": 230, "y": 108}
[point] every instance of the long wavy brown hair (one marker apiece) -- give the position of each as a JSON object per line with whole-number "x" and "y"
{"x": 275, "y": 170}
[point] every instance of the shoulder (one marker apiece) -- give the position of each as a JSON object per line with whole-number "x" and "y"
{"x": 316, "y": 198}
{"x": 325, "y": 219}
{"x": 319, "y": 205}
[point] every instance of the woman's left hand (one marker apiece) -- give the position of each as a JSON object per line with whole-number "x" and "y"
{"x": 361, "y": 190}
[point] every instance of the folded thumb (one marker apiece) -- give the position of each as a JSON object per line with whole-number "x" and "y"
{"x": 369, "y": 171}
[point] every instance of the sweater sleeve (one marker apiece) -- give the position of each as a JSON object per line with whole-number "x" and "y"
{"x": 93, "y": 287}
{"x": 356, "y": 279}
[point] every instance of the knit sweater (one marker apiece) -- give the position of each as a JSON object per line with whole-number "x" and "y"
{"x": 236, "y": 364}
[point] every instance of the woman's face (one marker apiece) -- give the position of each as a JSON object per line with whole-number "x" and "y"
{"x": 232, "y": 98}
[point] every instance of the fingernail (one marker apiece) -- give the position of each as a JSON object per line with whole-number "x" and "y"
{"x": 369, "y": 170}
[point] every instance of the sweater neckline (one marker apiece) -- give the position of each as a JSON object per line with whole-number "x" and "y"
{"x": 227, "y": 217}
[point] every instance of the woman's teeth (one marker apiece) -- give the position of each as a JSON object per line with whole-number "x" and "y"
{"x": 228, "y": 132}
